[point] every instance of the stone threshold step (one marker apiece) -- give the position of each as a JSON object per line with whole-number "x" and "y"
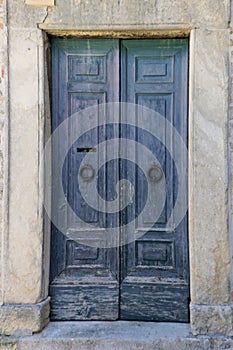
{"x": 119, "y": 335}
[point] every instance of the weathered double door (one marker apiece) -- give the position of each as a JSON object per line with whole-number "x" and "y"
{"x": 142, "y": 272}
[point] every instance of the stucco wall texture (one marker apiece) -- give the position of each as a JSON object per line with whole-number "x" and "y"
{"x": 3, "y": 116}
{"x": 3, "y": 73}
{"x": 21, "y": 221}
{"x": 230, "y": 129}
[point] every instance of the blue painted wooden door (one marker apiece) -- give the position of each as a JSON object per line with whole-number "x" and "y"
{"x": 146, "y": 278}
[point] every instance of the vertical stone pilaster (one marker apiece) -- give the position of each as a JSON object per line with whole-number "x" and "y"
{"x": 209, "y": 240}
{"x": 208, "y": 170}
{"x": 25, "y": 241}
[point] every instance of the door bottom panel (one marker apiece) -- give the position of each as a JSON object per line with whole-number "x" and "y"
{"x": 160, "y": 302}
{"x": 84, "y": 302}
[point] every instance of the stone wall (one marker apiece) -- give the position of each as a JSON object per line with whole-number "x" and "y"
{"x": 24, "y": 261}
{"x": 3, "y": 89}
{"x": 3, "y": 120}
{"x": 230, "y": 126}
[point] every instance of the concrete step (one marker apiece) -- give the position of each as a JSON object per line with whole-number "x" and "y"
{"x": 118, "y": 335}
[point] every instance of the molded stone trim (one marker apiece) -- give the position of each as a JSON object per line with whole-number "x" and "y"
{"x": 24, "y": 319}
{"x": 173, "y": 31}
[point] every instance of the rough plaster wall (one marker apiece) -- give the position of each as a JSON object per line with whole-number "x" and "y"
{"x": 208, "y": 17}
{"x": 231, "y": 141}
{"x": 23, "y": 29}
{"x": 3, "y": 112}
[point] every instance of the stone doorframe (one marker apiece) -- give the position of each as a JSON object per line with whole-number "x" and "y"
{"x": 26, "y": 243}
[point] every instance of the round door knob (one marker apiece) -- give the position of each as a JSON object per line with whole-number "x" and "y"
{"x": 155, "y": 173}
{"x": 87, "y": 173}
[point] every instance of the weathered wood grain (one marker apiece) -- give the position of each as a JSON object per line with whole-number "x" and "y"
{"x": 147, "y": 279}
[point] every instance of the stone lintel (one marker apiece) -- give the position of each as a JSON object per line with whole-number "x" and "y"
{"x": 211, "y": 320}
{"x": 24, "y": 319}
{"x": 117, "y": 32}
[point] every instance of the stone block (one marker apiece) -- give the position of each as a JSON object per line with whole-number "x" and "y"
{"x": 7, "y": 343}
{"x": 26, "y": 16}
{"x": 211, "y": 320}
{"x": 114, "y": 335}
{"x": 221, "y": 344}
{"x": 23, "y": 319}
{"x": 136, "y": 14}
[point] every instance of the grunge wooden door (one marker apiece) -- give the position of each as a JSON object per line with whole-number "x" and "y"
{"x": 123, "y": 147}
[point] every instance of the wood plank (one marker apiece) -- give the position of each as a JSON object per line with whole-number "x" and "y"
{"x": 84, "y": 302}
{"x": 154, "y": 75}
{"x": 155, "y": 302}
{"x": 84, "y": 75}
